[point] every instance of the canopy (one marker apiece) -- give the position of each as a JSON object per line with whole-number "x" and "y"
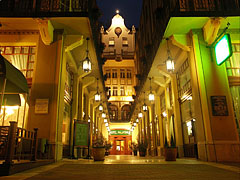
{"x": 16, "y": 82}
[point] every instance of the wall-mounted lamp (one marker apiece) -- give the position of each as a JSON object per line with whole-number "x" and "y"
{"x": 151, "y": 95}
{"x": 97, "y": 95}
{"x": 169, "y": 61}
{"x": 87, "y": 65}
{"x": 103, "y": 115}
{"x": 100, "y": 107}
{"x": 145, "y": 108}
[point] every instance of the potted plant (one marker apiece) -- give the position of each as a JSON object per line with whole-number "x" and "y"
{"x": 142, "y": 147}
{"x": 98, "y": 148}
{"x": 134, "y": 148}
{"x": 107, "y": 147}
{"x": 170, "y": 151}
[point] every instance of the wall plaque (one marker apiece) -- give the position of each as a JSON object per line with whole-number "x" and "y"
{"x": 219, "y": 106}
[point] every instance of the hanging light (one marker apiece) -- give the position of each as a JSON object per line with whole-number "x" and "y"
{"x": 100, "y": 107}
{"x": 169, "y": 61}
{"x": 137, "y": 120}
{"x": 145, "y": 108}
{"x": 97, "y": 95}
{"x": 87, "y": 65}
{"x": 140, "y": 115}
{"x": 89, "y": 119}
{"x": 151, "y": 95}
{"x": 105, "y": 121}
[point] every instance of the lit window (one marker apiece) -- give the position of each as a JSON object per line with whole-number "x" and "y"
{"x": 111, "y": 41}
{"x": 124, "y": 41}
{"x": 122, "y": 91}
{"x": 22, "y": 57}
{"x": 115, "y": 91}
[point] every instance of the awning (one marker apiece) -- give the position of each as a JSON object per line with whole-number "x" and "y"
{"x": 16, "y": 82}
{"x": 11, "y": 100}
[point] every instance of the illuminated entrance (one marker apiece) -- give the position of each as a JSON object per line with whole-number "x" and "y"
{"x": 121, "y": 141}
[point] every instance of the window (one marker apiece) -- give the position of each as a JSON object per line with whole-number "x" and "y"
{"x": 115, "y": 91}
{"x": 111, "y": 41}
{"x": 122, "y": 73}
{"x": 108, "y": 73}
{"x": 108, "y": 91}
{"x": 114, "y": 73}
{"x": 22, "y": 57}
{"x": 122, "y": 76}
{"x": 129, "y": 74}
{"x": 124, "y": 41}
{"x": 122, "y": 91}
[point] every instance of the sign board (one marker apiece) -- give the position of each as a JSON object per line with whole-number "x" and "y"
{"x": 80, "y": 133}
{"x": 219, "y": 106}
{"x": 119, "y": 132}
{"x": 223, "y": 49}
{"x": 41, "y": 106}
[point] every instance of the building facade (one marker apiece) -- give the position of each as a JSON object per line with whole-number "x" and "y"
{"x": 195, "y": 103}
{"x": 48, "y": 42}
{"x": 119, "y": 72}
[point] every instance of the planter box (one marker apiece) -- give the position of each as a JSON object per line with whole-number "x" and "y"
{"x": 170, "y": 154}
{"x": 98, "y": 153}
{"x": 142, "y": 153}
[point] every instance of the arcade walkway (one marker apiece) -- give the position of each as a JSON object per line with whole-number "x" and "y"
{"x": 130, "y": 167}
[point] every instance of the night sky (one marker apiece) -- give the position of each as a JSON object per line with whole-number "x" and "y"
{"x": 130, "y": 10}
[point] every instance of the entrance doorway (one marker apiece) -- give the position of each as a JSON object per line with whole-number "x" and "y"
{"x": 120, "y": 145}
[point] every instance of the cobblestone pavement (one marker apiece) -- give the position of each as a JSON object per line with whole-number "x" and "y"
{"x": 129, "y": 167}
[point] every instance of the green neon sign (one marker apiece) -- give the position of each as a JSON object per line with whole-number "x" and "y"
{"x": 223, "y": 49}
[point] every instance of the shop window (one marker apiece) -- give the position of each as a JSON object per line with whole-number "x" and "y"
{"x": 68, "y": 85}
{"x": 184, "y": 81}
{"x": 22, "y": 57}
{"x": 233, "y": 71}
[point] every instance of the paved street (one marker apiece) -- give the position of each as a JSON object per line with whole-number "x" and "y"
{"x": 130, "y": 167}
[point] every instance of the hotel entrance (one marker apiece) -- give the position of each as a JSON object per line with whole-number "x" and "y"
{"x": 120, "y": 143}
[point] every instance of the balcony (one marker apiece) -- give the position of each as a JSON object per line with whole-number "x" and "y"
{"x": 118, "y": 57}
{"x": 46, "y": 8}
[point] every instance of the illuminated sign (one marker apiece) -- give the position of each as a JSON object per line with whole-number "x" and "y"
{"x": 223, "y": 49}
{"x": 119, "y": 132}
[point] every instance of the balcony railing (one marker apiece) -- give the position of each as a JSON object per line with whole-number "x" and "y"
{"x": 207, "y": 5}
{"x": 42, "y": 7}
